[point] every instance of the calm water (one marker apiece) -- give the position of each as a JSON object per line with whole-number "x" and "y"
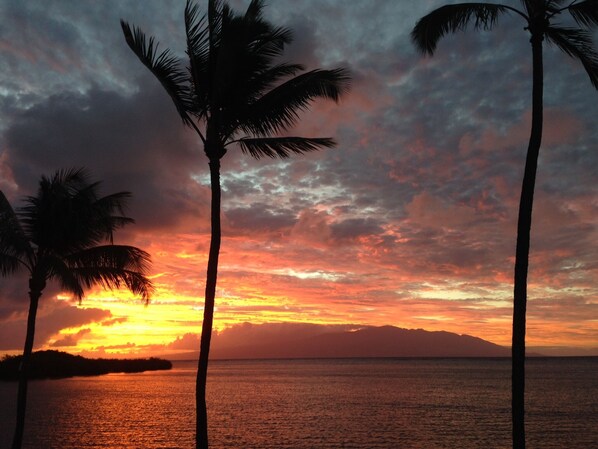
{"x": 383, "y": 403}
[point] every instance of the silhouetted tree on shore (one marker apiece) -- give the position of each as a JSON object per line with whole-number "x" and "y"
{"x": 540, "y": 17}
{"x": 234, "y": 91}
{"x": 65, "y": 234}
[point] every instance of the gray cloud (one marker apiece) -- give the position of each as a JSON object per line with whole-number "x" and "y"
{"x": 135, "y": 143}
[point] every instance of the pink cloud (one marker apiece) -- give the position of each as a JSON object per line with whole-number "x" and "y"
{"x": 70, "y": 339}
{"x": 186, "y": 342}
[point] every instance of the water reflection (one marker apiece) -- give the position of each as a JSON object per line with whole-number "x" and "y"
{"x": 386, "y": 404}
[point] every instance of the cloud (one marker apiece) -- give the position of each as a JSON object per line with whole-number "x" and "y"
{"x": 186, "y": 342}
{"x": 113, "y": 321}
{"x": 14, "y": 294}
{"x": 312, "y": 226}
{"x": 70, "y": 339}
{"x": 134, "y": 143}
{"x": 240, "y": 334}
{"x": 410, "y": 219}
{"x": 53, "y": 317}
{"x": 259, "y": 217}
{"x": 353, "y": 228}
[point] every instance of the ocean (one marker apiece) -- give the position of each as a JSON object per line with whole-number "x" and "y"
{"x": 334, "y": 403}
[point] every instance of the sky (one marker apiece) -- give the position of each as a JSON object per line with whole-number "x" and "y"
{"x": 410, "y": 221}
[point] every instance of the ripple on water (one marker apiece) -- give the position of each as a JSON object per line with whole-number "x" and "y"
{"x": 374, "y": 404}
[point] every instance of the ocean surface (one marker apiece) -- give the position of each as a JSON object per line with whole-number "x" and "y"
{"x": 339, "y": 403}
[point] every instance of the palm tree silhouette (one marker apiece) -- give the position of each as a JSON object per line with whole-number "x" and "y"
{"x": 540, "y": 17}
{"x": 234, "y": 92}
{"x": 65, "y": 233}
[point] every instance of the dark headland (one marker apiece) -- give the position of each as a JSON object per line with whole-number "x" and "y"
{"x": 57, "y": 364}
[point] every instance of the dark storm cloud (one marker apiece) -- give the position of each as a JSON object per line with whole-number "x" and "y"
{"x": 302, "y": 48}
{"x": 259, "y": 217}
{"x": 135, "y": 143}
{"x": 353, "y": 228}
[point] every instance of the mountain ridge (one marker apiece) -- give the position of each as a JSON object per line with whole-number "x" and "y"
{"x": 366, "y": 341}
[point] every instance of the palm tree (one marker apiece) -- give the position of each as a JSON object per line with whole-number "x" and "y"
{"x": 540, "y": 17}
{"x": 234, "y": 91}
{"x": 65, "y": 233}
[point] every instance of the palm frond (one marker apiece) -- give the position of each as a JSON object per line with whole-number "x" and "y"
{"x": 68, "y": 214}
{"x": 267, "y": 79}
{"x": 70, "y": 178}
{"x": 265, "y": 40}
{"x": 451, "y": 18}
{"x": 219, "y": 58}
{"x": 585, "y": 13}
{"x": 113, "y": 266}
{"x": 254, "y": 11}
{"x": 165, "y": 68}
{"x": 51, "y": 218}
{"x": 196, "y": 31}
{"x": 110, "y": 279}
{"x": 14, "y": 245}
{"x": 105, "y": 221}
{"x": 244, "y": 94}
{"x": 247, "y": 48}
{"x": 198, "y": 50}
{"x": 577, "y": 44}
{"x": 530, "y": 6}
{"x": 98, "y": 213}
{"x": 235, "y": 83}
{"x": 279, "y": 109}
{"x": 56, "y": 268}
{"x": 113, "y": 203}
{"x": 55, "y": 233}
{"x": 9, "y": 264}
{"x": 218, "y": 13}
{"x": 117, "y": 256}
{"x": 552, "y": 8}
{"x": 272, "y": 41}
{"x": 282, "y": 147}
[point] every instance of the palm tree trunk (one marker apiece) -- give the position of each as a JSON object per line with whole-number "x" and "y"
{"x": 208, "y": 313}
{"x": 35, "y": 291}
{"x": 522, "y": 251}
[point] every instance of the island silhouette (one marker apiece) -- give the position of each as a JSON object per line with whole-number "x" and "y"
{"x": 57, "y": 364}
{"x": 279, "y": 341}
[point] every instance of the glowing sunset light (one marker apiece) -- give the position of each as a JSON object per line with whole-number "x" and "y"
{"x": 410, "y": 221}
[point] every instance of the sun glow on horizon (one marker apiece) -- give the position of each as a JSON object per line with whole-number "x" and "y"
{"x": 135, "y": 329}
{"x": 285, "y": 283}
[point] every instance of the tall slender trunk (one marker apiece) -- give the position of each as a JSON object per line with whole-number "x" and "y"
{"x": 35, "y": 291}
{"x": 522, "y": 251}
{"x": 208, "y": 313}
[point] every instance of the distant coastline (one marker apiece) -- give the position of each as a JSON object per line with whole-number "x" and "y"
{"x": 57, "y": 364}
